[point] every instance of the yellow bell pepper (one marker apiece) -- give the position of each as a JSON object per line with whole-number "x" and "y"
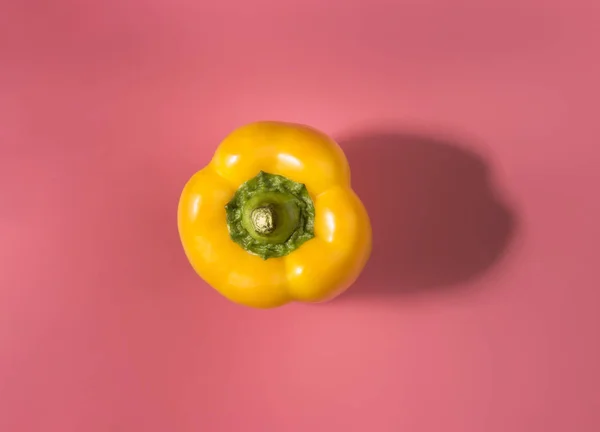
{"x": 272, "y": 218}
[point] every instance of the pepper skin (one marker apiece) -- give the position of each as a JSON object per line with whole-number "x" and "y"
{"x": 319, "y": 269}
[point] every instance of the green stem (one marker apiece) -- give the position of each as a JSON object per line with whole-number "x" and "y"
{"x": 270, "y": 216}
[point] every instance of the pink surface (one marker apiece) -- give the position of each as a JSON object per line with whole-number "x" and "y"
{"x": 479, "y": 308}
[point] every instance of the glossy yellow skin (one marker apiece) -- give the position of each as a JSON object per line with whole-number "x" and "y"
{"x": 319, "y": 269}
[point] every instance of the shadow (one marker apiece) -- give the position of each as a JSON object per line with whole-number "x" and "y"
{"x": 437, "y": 221}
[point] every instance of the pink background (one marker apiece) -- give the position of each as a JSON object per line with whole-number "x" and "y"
{"x": 479, "y": 308}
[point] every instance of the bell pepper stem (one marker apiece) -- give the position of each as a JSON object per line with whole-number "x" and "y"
{"x": 263, "y": 219}
{"x": 270, "y": 216}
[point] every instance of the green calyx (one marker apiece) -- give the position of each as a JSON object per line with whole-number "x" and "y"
{"x": 270, "y": 216}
